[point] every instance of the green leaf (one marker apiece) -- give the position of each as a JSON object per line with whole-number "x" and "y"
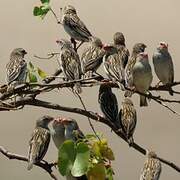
{"x": 32, "y": 77}
{"x": 109, "y": 173}
{"x": 41, "y": 73}
{"x": 81, "y": 162}
{"x": 66, "y": 157}
{"x": 97, "y": 172}
{"x": 37, "y": 11}
{"x": 45, "y": 1}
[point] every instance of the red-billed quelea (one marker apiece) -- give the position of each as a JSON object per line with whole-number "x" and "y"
{"x": 108, "y": 104}
{"x": 163, "y": 65}
{"x": 152, "y": 168}
{"x": 66, "y": 129}
{"x": 39, "y": 142}
{"x": 119, "y": 42}
{"x": 113, "y": 65}
{"x": 73, "y": 25}
{"x": 17, "y": 67}
{"x": 92, "y": 56}
{"x": 70, "y": 63}
{"x": 128, "y": 119}
{"x": 142, "y": 76}
{"x": 137, "y": 48}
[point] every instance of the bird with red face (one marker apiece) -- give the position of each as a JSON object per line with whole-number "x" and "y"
{"x": 142, "y": 76}
{"x": 163, "y": 65}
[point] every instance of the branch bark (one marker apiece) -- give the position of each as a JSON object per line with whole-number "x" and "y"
{"x": 44, "y": 104}
{"x": 43, "y": 164}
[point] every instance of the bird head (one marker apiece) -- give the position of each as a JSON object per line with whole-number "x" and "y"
{"x": 63, "y": 43}
{"x": 69, "y": 9}
{"x": 70, "y": 124}
{"x": 163, "y": 46}
{"x": 96, "y": 41}
{"x": 119, "y": 38}
{"x": 44, "y": 121}
{"x": 127, "y": 101}
{"x": 138, "y": 48}
{"x": 57, "y": 124}
{"x": 110, "y": 49}
{"x": 151, "y": 154}
{"x": 19, "y": 52}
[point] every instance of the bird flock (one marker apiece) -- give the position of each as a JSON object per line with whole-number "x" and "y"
{"x": 130, "y": 71}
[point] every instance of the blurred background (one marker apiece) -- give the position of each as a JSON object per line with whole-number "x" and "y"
{"x": 140, "y": 21}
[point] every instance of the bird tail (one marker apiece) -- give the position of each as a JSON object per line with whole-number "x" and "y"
{"x": 143, "y": 101}
{"x": 78, "y": 88}
{"x": 30, "y": 165}
{"x": 171, "y": 91}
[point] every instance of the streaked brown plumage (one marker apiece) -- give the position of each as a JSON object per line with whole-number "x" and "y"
{"x": 92, "y": 57}
{"x": 73, "y": 25}
{"x": 152, "y": 168}
{"x": 16, "y": 68}
{"x": 128, "y": 119}
{"x": 70, "y": 63}
{"x": 39, "y": 142}
{"x": 119, "y": 42}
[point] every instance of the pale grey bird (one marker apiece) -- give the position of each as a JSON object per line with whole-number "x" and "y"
{"x": 142, "y": 76}
{"x": 70, "y": 63}
{"x": 113, "y": 65}
{"x": 128, "y": 119}
{"x": 39, "y": 142}
{"x": 16, "y": 68}
{"x": 92, "y": 57}
{"x": 108, "y": 104}
{"x": 66, "y": 129}
{"x": 119, "y": 42}
{"x": 163, "y": 65}
{"x": 73, "y": 25}
{"x": 72, "y": 130}
{"x": 58, "y": 132}
{"x": 152, "y": 168}
{"x": 137, "y": 48}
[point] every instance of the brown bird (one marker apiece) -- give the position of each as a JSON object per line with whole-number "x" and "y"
{"x": 128, "y": 119}
{"x": 119, "y": 42}
{"x": 152, "y": 168}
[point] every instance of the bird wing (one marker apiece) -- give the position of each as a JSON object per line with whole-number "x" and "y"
{"x": 38, "y": 144}
{"x": 15, "y": 68}
{"x": 109, "y": 106}
{"x": 77, "y": 25}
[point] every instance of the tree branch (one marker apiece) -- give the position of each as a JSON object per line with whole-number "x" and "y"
{"x": 44, "y": 104}
{"x": 43, "y": 164}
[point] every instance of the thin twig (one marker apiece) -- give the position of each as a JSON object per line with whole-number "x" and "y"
{"x": 43, "y": 164}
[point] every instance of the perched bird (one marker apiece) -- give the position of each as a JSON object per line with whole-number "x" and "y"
{"x": 73, "y": 25}
{"x": 108, "y": 104}
{"x": 119, "y": 42}
{"x": 66, "y": 129}
{"x": 113, "y": 65}
{"x": 70, "y": 63}
{"x": 137, "y": 48}
{"x": 17, "y": 67}
{"x": 152, "y": 168}
{"x": 72, "y": 130}
{"x": 92, "y": 57}
{"x": 142, "y": 76}
{"x": 163, "y": 65}
{"x": 128, "y": 119}
{"x": 58, "y": 132}
{"x": 39, "y": 142}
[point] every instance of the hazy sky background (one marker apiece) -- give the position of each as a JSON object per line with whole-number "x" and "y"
{"x": 140, "y": 21}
